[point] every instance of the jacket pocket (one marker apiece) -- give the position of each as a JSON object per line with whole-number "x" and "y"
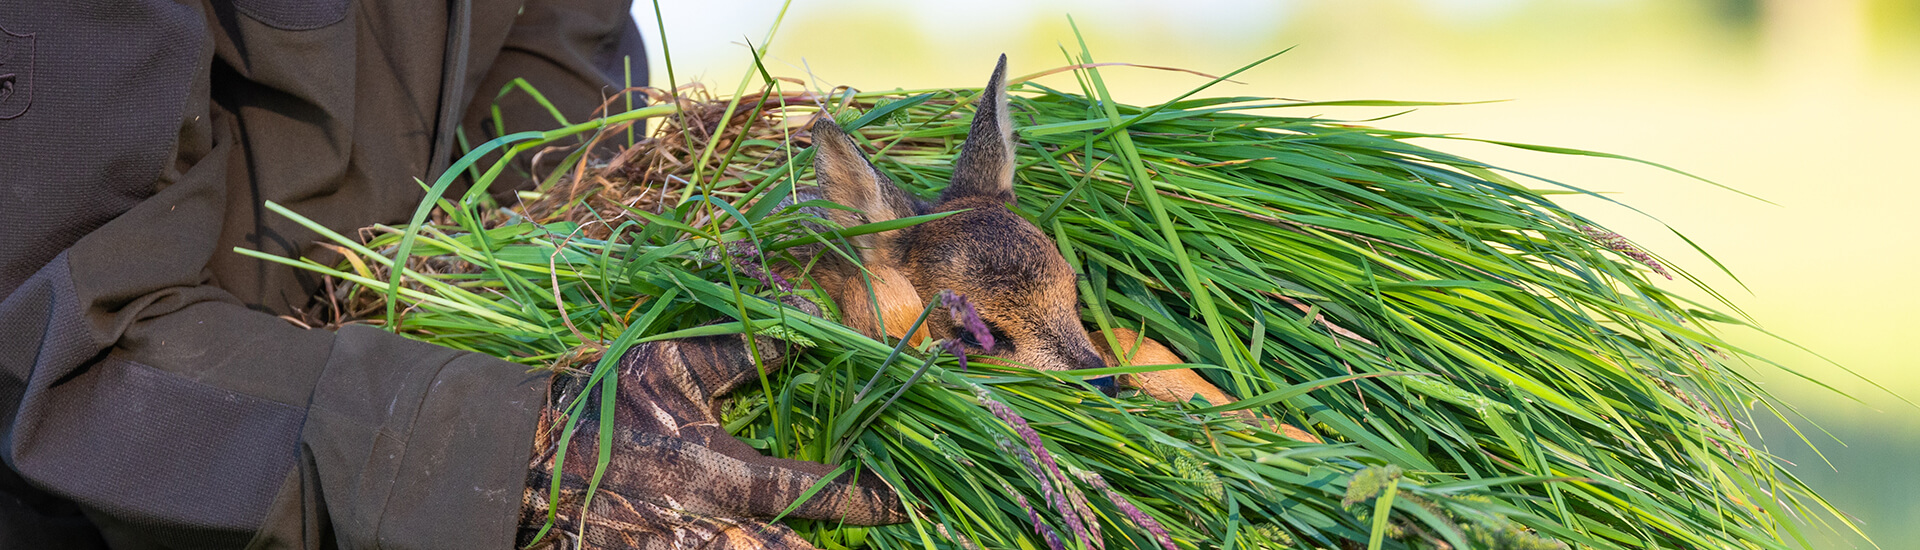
{"x": 294, "y": 15}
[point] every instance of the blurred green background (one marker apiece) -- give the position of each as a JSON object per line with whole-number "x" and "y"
{"x": 1812, "y": 105}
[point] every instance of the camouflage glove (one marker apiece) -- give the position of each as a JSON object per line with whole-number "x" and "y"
{"x": 677, "y": 478}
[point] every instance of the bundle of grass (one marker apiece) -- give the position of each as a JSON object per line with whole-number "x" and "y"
{"x": 1487, "y": 369}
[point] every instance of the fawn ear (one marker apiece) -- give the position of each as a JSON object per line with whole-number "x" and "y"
{"x": 846, "y": 177}
{"x": 985, "y": 166}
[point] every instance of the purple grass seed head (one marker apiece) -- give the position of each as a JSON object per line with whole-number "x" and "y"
{"x": 1033, "y": 516}
{"x": 745, "y": 258}
{"x": 1132, "y": 512}
{"x": 1059, "y": 491}
{"x": 1615, "y": 242}
{"x": 958, "y": 351}
{"x": 967, "y": 317}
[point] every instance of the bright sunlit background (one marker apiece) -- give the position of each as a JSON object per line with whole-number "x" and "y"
{"x": 1812, "y": 105}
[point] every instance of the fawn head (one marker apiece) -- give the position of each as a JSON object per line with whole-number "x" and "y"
{"x": 1011, "y": 272}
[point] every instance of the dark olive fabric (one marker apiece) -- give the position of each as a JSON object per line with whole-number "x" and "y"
{"x": 150, "y": 397}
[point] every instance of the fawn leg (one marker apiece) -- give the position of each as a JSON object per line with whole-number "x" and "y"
{"x": 1181, "y": 384}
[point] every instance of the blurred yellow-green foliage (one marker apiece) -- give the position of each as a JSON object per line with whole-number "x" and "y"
{"x": 1813, "y": 105}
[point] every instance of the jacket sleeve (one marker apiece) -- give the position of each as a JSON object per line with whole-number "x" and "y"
{"x": 205, "y": 424}
{"x": 136, "y": 386}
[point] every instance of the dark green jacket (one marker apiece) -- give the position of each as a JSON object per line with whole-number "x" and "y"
{"x": 150, "y": 397}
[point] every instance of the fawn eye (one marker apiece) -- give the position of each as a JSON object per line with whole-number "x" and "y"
{"x": 1001, "y": 343}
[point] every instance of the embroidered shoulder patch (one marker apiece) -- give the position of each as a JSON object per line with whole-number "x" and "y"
{"x": 16, "y": 73}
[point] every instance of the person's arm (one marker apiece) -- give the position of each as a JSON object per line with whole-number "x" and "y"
{"x": 206, "y": 424}
{"x": 138, "y": 388}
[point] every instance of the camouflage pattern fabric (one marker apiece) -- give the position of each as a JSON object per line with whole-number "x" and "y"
{"x": 677, "y": 479}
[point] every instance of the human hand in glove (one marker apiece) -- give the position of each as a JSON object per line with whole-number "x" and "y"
{"x": 677, "y": 479}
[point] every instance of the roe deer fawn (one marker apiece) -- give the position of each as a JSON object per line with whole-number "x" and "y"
{"x": 1022, "y": 287}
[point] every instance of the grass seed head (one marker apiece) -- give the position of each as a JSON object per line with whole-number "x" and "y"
{"x": 1369, "y": 483}
{"x": 968, "y": 318}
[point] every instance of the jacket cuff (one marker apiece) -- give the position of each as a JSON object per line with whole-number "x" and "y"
{"x": 432, "y": 453}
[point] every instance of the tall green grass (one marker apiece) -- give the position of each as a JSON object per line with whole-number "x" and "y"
{"x": 1490, "y": 370}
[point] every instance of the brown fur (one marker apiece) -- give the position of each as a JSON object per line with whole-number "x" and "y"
{"x": 1009, "y": 269}
{"x": 1178, "y": 385}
